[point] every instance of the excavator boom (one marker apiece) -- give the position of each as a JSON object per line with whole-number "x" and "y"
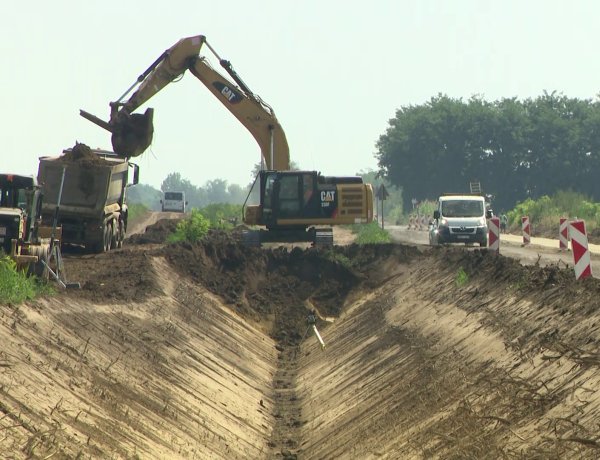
{"x": 132, "y": 132}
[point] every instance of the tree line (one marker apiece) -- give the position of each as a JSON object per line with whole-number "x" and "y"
{"x": 516, "y": 149}
{"x": 214, "y": 191}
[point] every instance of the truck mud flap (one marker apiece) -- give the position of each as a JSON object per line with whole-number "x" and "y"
{"x": 251, "y": 238}
{"x": 323, "y": 238}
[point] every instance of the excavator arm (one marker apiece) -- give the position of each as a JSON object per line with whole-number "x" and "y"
{"x": 132, "y": 133}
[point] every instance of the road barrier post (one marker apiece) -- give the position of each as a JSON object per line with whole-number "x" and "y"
{"x": 494, "y": 234}
{"x": 563, "y": 234}
{"x": 579, "y": 245}
{"x": 526, "y": 230}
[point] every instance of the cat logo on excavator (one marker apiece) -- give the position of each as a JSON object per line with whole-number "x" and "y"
{"x": 328, "y": 195}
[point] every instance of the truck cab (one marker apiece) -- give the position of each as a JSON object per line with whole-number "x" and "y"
{"x": 20, "y": 202}
{"x": 22, "y": 237}
{"x": 460, "y": 219}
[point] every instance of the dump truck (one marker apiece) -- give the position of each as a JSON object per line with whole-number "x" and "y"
{"x": 92, "y": 208}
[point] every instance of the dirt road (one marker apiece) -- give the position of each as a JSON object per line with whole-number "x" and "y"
{"x": 150, "y": 218}
{"x": 206, "y": 351}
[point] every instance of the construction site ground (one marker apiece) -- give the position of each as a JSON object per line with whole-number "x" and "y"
{"x": 204, "y": 351}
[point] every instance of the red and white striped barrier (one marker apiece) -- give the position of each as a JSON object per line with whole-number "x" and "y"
{"x": 526, "y": 229}
{"x": 494, "y": 234}
{"x": 579, "y": 245}
{"x": 563, "y": 234}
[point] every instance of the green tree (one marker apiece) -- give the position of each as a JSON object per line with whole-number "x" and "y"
{"x": 216, "y": 191}
{"x": 191, "y": 229}
{"x": 174, "y": 182}
{"x": 145, "y": 195}
{"x": 516, "y": 149}
{"x": 392, "y": 206}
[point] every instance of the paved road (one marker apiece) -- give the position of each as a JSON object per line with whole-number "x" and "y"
{"x": 541, "y": 250}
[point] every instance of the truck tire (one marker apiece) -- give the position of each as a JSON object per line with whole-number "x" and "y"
{"x": 120, "y": 234}
{"x": 107, "y": 236}
{"x": 40, "y": 268}
{"x": 114, "y": 235}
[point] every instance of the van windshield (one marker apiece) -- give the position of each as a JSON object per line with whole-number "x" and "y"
{"x": 462, "y": 208}
{"x": 174, "y": 196}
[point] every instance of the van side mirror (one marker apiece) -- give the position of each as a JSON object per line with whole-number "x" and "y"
{"x": 436, "y": 214}
{"x": 489, "y": 214}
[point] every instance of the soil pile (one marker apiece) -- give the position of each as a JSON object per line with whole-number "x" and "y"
{"x": 275, "y": 287}
{"x": 281, "y": 286}
{"x": 119, "y": 276}
{"x": 84, "y": 155}
{"x": 156, "y": 233}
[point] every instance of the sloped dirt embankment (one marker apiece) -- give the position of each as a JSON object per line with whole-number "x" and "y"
{"x": 204, "y": 351}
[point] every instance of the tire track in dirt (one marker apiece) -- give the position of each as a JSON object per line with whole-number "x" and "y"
{"x": 424, "y": 368}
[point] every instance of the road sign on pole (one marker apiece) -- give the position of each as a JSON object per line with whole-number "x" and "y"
{"x": 382, "y": 194}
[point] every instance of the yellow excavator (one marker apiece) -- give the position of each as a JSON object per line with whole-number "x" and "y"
{"x": 294, "y": 205}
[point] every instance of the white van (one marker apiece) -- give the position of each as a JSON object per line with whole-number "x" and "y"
{"x": 460, "y": 219}
{"x": 173, "y": 202}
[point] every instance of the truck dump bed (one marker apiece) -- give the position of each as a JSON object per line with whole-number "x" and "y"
{"x": 92, "y": 208}
{"x": 89, "y": 186}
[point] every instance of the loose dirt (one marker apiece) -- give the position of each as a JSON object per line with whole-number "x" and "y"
{"x": 206, "y": 351}
{"x": 82, "y": 154}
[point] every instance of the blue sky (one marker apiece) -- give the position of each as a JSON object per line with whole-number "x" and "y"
{"x": 334, "y": 71}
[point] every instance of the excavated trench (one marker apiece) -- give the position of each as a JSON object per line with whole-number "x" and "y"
{"x": 205, "y": 351}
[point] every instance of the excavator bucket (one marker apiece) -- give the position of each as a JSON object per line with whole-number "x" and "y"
{"x": 132, "y": 135}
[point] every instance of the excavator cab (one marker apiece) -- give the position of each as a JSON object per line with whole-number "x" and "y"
{"x": 303, "y": 205}
{"x": 286, "y": 199}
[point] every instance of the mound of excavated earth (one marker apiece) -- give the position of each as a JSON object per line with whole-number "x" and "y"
{"x": 82, "y": 154}
{"x": 206, "y": 351}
